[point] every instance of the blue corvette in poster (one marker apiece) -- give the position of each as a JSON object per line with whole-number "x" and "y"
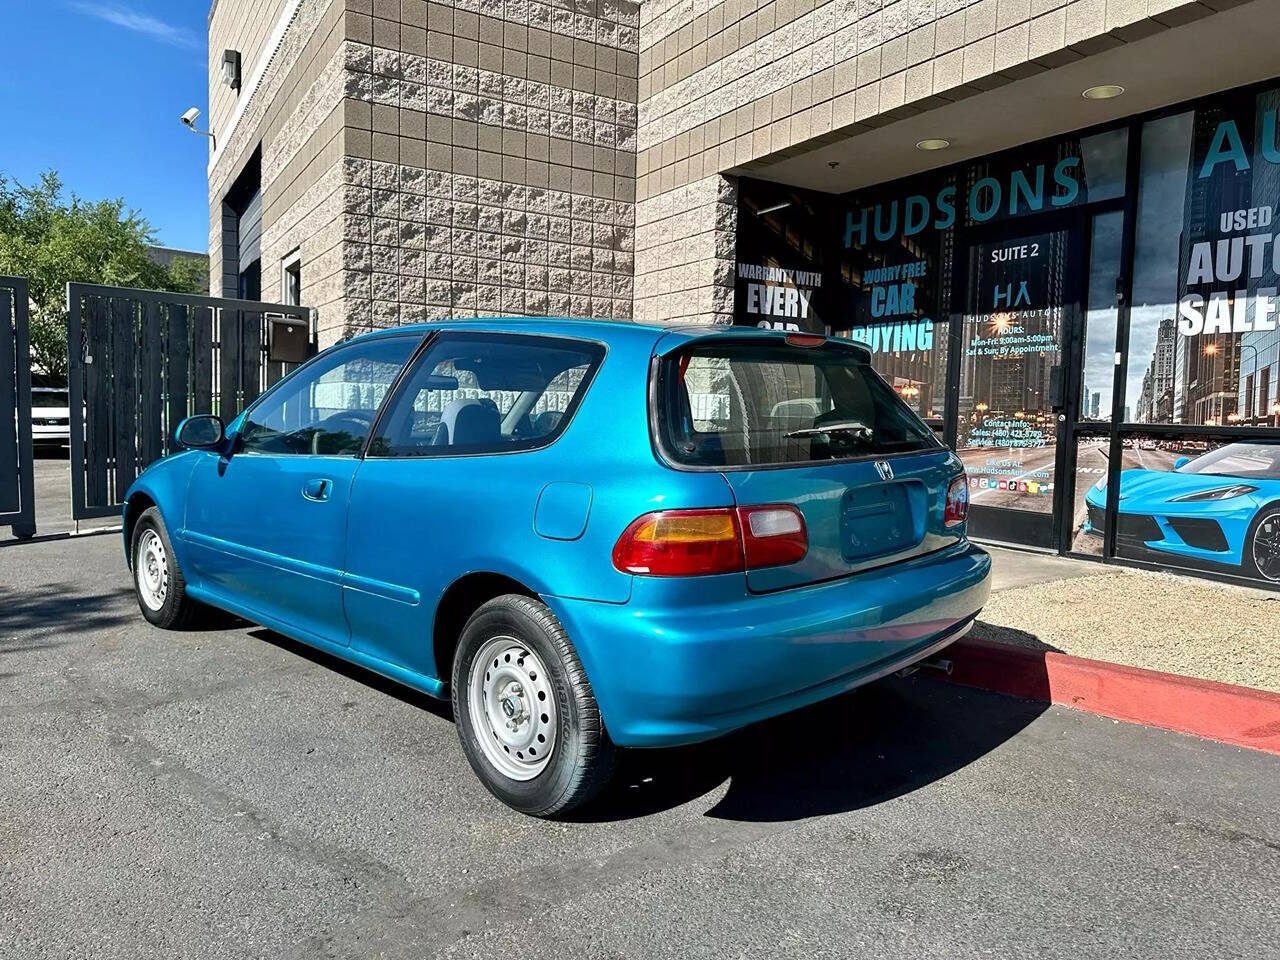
{"x": 1221, "y": 508}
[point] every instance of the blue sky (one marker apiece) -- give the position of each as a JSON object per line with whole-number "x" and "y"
{"x": 94, "y": 89}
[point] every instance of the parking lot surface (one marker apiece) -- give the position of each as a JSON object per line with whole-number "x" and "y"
{"x": 225, "y": 792}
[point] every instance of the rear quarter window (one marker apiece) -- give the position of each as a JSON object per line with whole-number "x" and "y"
{"x": 762, "y": 403}
{"x": 480, "y": 393}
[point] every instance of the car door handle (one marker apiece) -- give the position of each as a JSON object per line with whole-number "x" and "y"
{"x": 317, "y": 490}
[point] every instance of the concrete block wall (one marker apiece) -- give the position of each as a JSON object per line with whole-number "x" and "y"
{"x": 489, "y": 162}
{"x": 295, "y": 115}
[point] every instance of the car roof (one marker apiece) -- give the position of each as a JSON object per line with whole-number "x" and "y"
{"x": 664, "y": 338}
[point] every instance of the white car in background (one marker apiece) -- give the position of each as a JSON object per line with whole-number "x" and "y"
{"x": 50, "y": 417}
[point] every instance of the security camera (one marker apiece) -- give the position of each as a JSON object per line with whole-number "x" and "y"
{"x": 189, "y": 121}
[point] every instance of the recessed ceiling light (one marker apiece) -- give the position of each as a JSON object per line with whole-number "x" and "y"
{"x": 933, "y": 143}
{"x": 1105, "y": 91}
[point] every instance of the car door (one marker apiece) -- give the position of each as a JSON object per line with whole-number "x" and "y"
{"x": 266, "y": 522}
{"x": 452, "y": 477}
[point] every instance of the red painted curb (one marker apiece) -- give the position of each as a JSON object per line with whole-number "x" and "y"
{"x": 1217, "y": 711}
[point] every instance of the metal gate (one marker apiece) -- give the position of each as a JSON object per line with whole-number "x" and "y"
{"x": 140, "y": 361}
{"x": 17, "y": 487}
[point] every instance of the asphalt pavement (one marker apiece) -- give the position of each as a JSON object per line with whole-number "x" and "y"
{"x": 225, "y": 792}
{"x": 52, "y": 476}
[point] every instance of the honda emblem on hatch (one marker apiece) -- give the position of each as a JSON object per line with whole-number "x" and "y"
{"x": 883, "y": 468}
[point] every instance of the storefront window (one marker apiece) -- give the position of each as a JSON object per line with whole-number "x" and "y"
{"x": 1203, "y": 504}
{"x": 1017, "y": 296}
{"x": 1101, "y": 317}
{"x": 912, "y": 356}
{"x": 1204, "y": 348}
{"x": 1089, "y": 498}
{"x": 991, "y": 294}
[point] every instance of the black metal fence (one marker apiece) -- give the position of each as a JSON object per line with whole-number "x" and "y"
{"x": 17, "y": 486}
{"x": 140, "y": 361}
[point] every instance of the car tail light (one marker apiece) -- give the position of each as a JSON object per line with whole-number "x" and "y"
{"x": 772, "y": 535}
{"x": 957, "y": 508}
{"x": 805, "y": 339}
{"x": 680, "y": 543}
{"x": 687, "y": 543}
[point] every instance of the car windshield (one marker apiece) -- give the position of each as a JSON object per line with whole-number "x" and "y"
{"x": 763, "y": 402}
{"x": 48, "y": 398}
{"x": 1258, "y": 460}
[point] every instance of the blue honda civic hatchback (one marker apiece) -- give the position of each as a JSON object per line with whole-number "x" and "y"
{"x": 590, "y": 535}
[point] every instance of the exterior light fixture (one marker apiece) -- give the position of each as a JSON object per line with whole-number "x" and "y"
{"x": 231, "y": 69}
{"x": 774, "y": 208}
{"x": 1104, "y": 91}
{"x": 1210, "y": 349}
{"x": 933, "y": 143}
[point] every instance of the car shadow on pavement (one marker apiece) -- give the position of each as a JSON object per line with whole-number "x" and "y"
{"x": 60, "y": 608}
{"x": 374, "y": 681}
{"x": 879, "y": 742}
{"x": 863, "y": 748}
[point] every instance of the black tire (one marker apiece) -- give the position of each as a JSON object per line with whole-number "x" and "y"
{"x": 178, "y": 609}
{"x": 1270, "y": 516}
{"x": 582, "y": 757}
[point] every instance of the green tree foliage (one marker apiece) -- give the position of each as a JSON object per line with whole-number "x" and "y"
{"x": 51, "y": 237}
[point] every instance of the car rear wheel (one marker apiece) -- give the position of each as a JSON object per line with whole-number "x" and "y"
{"x": 157, "y": 579}
{"x": 527, "y": 718}
{"x": 1262, "y": 546}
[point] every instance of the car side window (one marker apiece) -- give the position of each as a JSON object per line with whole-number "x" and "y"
{"x": 486, "y": 393}
{"x": 329, "y": 407}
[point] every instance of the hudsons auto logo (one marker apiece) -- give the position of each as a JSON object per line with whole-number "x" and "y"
{"x": 1024, "y": 192}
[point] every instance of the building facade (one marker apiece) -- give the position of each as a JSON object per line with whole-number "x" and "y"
{"x": 1052, "y": 223}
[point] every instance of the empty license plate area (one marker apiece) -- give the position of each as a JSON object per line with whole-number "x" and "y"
{"x": 881, "y": 519}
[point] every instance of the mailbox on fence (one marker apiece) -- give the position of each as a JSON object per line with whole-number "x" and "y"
{"x": 288, "y": 340}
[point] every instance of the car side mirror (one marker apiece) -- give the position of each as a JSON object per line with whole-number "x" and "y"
{"x": 204, "y": 431}
{"x": 1181, "y": 462}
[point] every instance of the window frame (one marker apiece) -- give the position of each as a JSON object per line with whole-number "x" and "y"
{"x": 657, "y": 435}
{"x": 436, "y": 336}
{"x": 291, "y": 263}
{"x": 239, "y": 450}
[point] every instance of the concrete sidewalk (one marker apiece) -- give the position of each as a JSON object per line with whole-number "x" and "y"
{"x": 1156, "y": 621}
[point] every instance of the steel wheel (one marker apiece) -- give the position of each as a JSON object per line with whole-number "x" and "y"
{"x": 513, "y": 708}
{"x": 1266, "y": 547}
{"x": 151, "y": 570}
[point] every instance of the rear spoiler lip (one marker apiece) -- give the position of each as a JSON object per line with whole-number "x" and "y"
{"x": 677, "y": 339}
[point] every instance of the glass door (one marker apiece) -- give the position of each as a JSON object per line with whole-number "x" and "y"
{"x": 1020, "y": 302}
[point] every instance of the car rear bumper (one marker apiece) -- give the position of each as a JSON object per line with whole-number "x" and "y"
{"x": 667, "y": 673}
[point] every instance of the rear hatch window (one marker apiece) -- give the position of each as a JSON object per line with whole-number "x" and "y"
{"x": 817, "y": 428}
{"x": 767, "y": 403}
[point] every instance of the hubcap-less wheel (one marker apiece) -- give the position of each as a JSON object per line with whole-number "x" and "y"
{"x": 1266, "y": 547}
{"x": 151, "y": 568}
{"x": 512, "y": 708}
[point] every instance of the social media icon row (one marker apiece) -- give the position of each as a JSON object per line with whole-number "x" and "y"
{"x": 1015, "y": 486}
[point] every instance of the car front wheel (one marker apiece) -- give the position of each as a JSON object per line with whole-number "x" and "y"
{"x": 1262, "y": 546}
{"x": 157, "y": 579}
{"x": 527, "y": 718}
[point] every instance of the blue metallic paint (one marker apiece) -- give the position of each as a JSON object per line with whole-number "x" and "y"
{"x": 671, "y": 660}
